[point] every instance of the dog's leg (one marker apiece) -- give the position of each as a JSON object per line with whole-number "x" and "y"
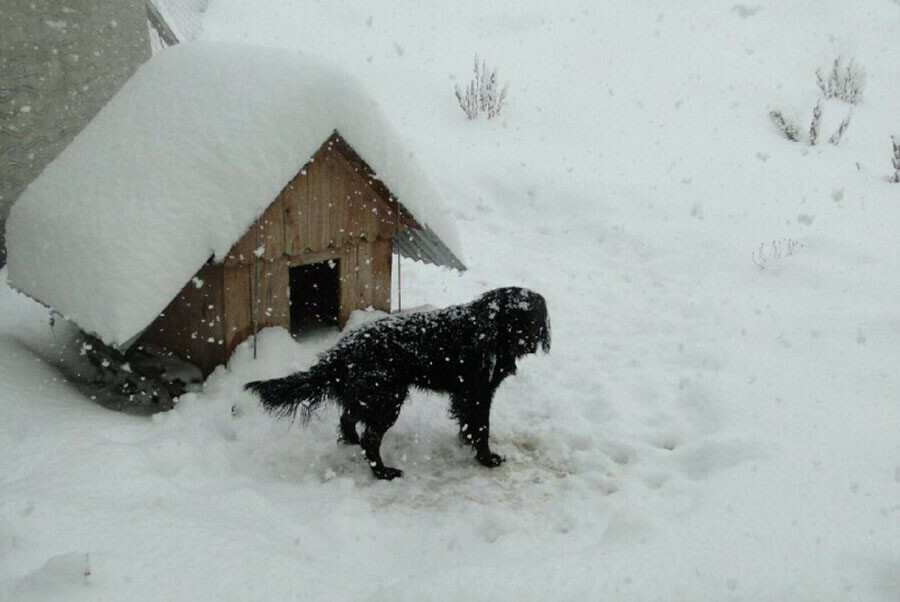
{"x": 474, "y": 416}
{"x": 371, "y": 444}
{"x": 381, "y": 415}
{"x": 348, "y": 427}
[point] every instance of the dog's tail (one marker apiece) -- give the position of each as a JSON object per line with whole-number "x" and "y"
{"x": 304, "y": 391}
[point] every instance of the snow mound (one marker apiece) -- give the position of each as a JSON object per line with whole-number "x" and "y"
{"x": 177, "y": 167}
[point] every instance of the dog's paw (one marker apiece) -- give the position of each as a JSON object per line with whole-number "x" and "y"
{"x": 348, "y": 439}
{"x": 491, "y": 460}
{"x": 386, "y": 473}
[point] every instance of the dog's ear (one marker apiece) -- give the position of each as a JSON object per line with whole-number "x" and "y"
{"x": 491, "y": 342}
{"x": 534, "y": 321}
{"x": 545, "y": 334}
{"x": 534, "y": 310}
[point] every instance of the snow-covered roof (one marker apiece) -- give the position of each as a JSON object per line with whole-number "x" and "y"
{"x": 176, "y": 168}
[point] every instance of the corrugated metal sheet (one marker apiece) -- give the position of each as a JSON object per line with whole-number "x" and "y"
{"x": 424, "y": 245}
{"x": 176, "y": 20}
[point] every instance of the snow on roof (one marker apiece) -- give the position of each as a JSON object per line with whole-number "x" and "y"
{"x": 176, "y": 168}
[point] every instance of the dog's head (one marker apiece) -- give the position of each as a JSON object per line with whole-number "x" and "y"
{"x": 521, "y": 317}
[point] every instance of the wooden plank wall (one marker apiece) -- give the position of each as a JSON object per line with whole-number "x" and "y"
{"x": 382, "y": 262}
{"x": 238, "y": 319}
{"x": 365, "y": 278}
{"x": 268, "y": 296}
{"x": 273, "y": 293}
{"x": 192, "y": 324}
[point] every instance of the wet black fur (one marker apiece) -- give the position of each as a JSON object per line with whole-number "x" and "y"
{"x": 464, "y": 350}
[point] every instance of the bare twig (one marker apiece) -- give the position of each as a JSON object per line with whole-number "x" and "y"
{"x": 844, "y": 83}
{"x": 836, "y": 136}
{"x": 482, "y": 93}
{"x": 788, "y": 128}
{"x": 895, "y": 142}
{"x": 814, "y": 125}
{"x": 777, "y": 249}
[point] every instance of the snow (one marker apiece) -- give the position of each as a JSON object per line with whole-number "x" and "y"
{"x": 703, "y": 429}
{"x": 177, "y": 167}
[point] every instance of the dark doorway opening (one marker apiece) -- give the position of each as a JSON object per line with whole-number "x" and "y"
{"x": 315, "y": 295}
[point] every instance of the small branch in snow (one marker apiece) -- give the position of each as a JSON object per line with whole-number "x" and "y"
{"x": 814, "y": 125}
{"x": 787, "y": 127}
{"x": 844, "y": 83}
{"x": 777, "y": 249}
{"x": 836, "y": 136}
{"x": 895, "y": 142}
{"x": 483, "y": 94}
{"x": 790, "y": 130}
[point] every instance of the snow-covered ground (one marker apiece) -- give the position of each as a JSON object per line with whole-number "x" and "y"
{"x": 703, "y": 429}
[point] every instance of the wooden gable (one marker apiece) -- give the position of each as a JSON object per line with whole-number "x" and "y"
{"x": 333, "y": 202}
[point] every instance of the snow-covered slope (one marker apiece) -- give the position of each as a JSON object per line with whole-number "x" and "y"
{"x": 703, "y": 430}
{"x": 176, "y": 168}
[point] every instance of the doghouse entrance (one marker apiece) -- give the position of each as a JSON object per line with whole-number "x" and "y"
{"x": 315, "y": 295}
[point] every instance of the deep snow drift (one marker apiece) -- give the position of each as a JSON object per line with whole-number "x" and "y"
{"x": 703, "y": 429}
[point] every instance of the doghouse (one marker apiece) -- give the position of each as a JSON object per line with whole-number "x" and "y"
{"x": 223, "y": 190}
{"x": 322, "y": 249}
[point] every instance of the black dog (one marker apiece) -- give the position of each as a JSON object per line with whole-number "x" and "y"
{"x": 464, "y": 350}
